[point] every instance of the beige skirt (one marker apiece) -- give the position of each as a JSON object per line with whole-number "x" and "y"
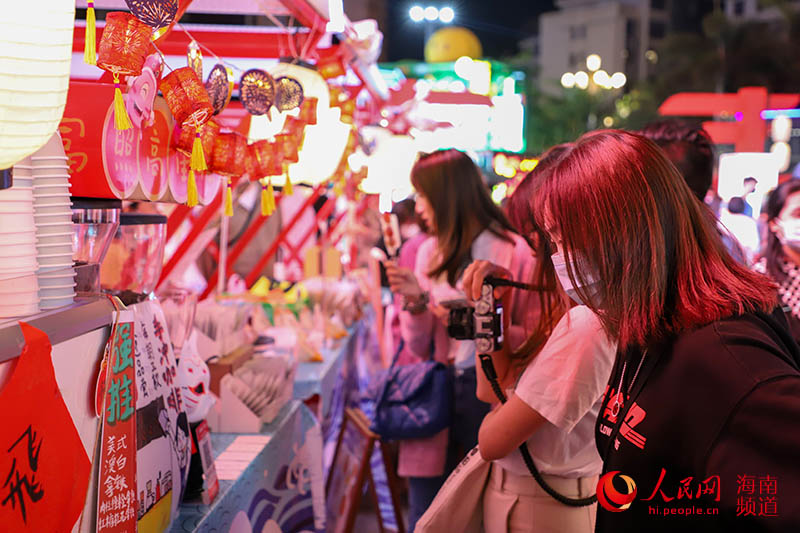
{"x": 517, "y": 504}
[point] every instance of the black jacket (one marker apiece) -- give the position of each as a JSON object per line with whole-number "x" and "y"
{"x": 720, "y": 404}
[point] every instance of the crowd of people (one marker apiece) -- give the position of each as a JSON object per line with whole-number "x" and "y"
{"x": 650, "y": 347}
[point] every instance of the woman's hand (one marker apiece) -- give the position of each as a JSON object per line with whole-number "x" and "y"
{"x": 479, "y": 271}
{"x": 402, "y": 281}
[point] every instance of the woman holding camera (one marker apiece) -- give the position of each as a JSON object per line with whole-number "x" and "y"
{"x": 465, "y": 225}
{"x": 704, "y": 397}
{"x": 554, "y": 384}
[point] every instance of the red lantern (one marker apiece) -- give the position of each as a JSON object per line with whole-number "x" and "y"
{"x": 186, "y": 97}
{"x": 124, "y": 45}
{"x": 308, "y": 110}
{"x": 287, "y": 144}
{"x": 348, "y": 111}
{"x": 123, "y": 48}
{"x": 230, "y": 152}
{"x": 268, "y": 160}
{"x": 185, "y": 135}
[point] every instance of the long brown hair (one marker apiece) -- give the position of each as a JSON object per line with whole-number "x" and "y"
{"x": 462, "y": 208}
{"x": 552, "y": 300}
{"x": 624, "y": 213}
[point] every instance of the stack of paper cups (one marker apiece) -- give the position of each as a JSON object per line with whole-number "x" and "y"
{"x": 19, "y": 294}
{"x": 53, "y": 217}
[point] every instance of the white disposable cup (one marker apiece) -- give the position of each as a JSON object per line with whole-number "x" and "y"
{"x": 26, "y": 282}
{"x": 16, "y": 194}
{"x": 53, "y": 238}
{"x": 22, "y": 237}
{"x": 52, "y": 228}
{"x": 56, "y": 292}
{"x": 14, "y": 263}
{"x": 12, "y": 207}
{"x": 55, "y": 303}
{"x": 19, "y": 298}
{"x": 61, "y": 268}
{"x": 13, "y": 311}
{"x": 49, "y": 158}
{"x": 49, "y": 260}
{"x": 44, "y": 190}
{"x": 49, "y": 249}
{"x": 52, "y": 200}
{"x": 50, "y": 281}
{"x": 16, "y": 250}
{"x": 53, "y": 218}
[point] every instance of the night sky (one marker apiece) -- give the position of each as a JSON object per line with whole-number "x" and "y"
{"x": 499, "y": 24}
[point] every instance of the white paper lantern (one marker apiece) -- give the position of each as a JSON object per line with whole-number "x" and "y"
{"x": 35, "y": 57}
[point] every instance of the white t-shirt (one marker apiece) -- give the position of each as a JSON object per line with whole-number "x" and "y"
{"x": 565, "y": 383}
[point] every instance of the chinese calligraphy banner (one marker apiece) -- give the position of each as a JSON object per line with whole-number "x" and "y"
{"x": 44, "y": 469}
{"x": 116, "y": 502}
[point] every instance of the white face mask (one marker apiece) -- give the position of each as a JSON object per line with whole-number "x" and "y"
{"x": 791, "y": 233}
{"x": 560, "y": 265}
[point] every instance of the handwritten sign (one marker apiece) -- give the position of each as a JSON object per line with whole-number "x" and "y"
{"x": 116, "y": 502}
{"x": 163, "y": 442}
{"x": 44, "y": 469}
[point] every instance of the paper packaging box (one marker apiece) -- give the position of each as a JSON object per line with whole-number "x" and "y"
{"x": 231, "y": 415}
{"x": 227, "y": 364}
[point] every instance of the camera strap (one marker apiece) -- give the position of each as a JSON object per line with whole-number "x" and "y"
{"x": 491, "y": 374}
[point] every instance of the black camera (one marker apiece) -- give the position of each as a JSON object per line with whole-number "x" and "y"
{"x": 482, "y": 322}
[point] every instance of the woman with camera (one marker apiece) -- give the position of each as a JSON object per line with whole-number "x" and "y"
{"x": 703, "y": 401}
{"x": 465, "y": 225}
{"x": 555, "y": 382}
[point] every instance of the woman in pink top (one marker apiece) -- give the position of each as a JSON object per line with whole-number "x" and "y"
{"x": 465, "y": 225}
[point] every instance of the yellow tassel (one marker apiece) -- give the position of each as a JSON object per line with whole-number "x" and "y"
{"x": 288, "y": 190}
{"x": 265, "y": 207}
{"x": 271, "y": 197}
{"x": 191, "y": 194}
{"x": 229, "y": 200}
{"x": 90, "y": 38}
{"x": 121, "y": 120}
{"x": 198, "y": 157}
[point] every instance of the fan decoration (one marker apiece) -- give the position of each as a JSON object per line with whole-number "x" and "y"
{"x": 123, "y": 48}
{"x": 257, "y": 90}
{"x": 194, "y": 59}
{"x": 155, "y": 13}
{"x": 268, "y": 162}
{"x": 228, "y": 159}
{"x": 289, "y": 93}
{"x": 190, "y": 106}
{"x": 219, "y": 86}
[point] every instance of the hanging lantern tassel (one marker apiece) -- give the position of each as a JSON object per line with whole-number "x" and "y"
{"x": 191, "y": 193}
{"x": 229, "y": 199}
{"x": 288, "y": 190}
{"x": 90, "y": 38}
{"x": 198, "y": 155}
{"x": 121, "y": 120}
{"x": 267, "y": 199}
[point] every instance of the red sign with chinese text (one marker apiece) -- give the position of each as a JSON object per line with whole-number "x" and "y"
{"x": 116, "y": 502}
{"x": 44, "y": 468}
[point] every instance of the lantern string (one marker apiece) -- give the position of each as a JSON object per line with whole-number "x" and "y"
{"x": 207, "y": 49}
{"x": 163, "y": 57}
{"x": 307, "y": 45}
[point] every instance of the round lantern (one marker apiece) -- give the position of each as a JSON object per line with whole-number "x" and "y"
{"x": 257, "y": 89}
{"x": 289, "y": 93}
{"x": 190, "y": 106}
{"x": 124, "y": 45}
{"x": 229, "y": 154}
{"x": 308, "y": 110}
{"x": 312, "y": 83}
{"x": 186, "y": 97}
{"x": 286, "y": 144}
{"x": 268, "y": 160}
{"x": 34, "y": 75}
{"x": 122, "y": 51}
{"x": 185, "y": 135}
{"x": 219, "y": 86}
